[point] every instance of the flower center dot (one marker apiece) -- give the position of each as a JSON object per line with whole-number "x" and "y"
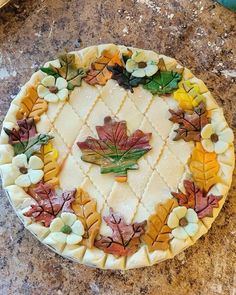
{"x": 214, "y": 137}
{"x": 53, "y": 89}
{"x": 142, "y": 64}
{"x": 66, "y": 229}
{"x": 183, "y": 221}
{"x": 23, "y": 170}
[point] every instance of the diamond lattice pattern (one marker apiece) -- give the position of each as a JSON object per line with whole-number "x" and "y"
{"x": 160, "y": 170}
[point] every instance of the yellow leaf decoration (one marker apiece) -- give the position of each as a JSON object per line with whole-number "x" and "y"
{"x": 31, "y": 106}
{"x": 49, "y": 156}
{"x": 204, "y": 167}
{"x": 86, "y": 210}
{"x": 157, "y": 235}
{"x": 188, "y": 95}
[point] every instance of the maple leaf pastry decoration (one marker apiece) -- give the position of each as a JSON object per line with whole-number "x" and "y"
{"x": 114, "y": 150}
{"x": 202, "y": 202}
{"x": 125, "y": 237}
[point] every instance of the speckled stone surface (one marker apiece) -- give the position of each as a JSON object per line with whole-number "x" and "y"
{"x": 201, "y": 35}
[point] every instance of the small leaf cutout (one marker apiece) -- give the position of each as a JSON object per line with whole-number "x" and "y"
{"x": 204, "y": 167}
{"x": 24, "y": 139}
{"x": 49, "y": 204}
{"x": 49, "y": 156}
{"x": 197, "y": 199}
{"x": 188, "y": 95}
{"x": 100, "y": 72}
{"x": 158, "y": 234}
{"x": 190, "y": 123}
{"x": 68, "y": 70}
{"x": 125, "y": 237}
{"x": 86, "y": 210}
{"x": 163, "y": 82}
{"x": 31, "y": 106}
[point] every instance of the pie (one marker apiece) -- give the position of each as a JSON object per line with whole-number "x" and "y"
{"x": 116, "y": 157}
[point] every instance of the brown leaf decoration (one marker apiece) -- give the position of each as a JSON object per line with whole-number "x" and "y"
{"x": 99, "y": 73}
{"x": 187, "y": 199}
{"x": 125, "y": 237}
{"x": 49, "y": 204}
{"x": 31, "y": 106}
{"x": 197, "y": 199}
{"x": 204, "y": 167}
{"x": 86, "y": 210}
{"x": 157, "y": 235}
{"x": 49, "y": 157}
{"x": 24, "y": 139}
{"x": 190, "y": 124}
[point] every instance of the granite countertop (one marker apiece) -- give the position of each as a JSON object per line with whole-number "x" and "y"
{"x": 201, "y": 35}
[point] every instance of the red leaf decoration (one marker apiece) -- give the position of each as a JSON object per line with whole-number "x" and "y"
{"x": 190, "y": 124}
{"x": 48, "y": 203}
{"x": 125, "y": 238}
{"x": 197, "y": 199}
{"x": 26, "y": 131}
{"x": 204, "y": 205}
{"x": 115, "y": 151}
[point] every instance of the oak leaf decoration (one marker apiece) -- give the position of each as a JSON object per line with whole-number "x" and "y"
{"x": 31, "y": 106}
{"x": 100, "y": 72}
{"x": 125, "y": 238}
{"x": 49, "y": 156}
{"x": 86, "y": 210}
{"x": 204, "y": 167}
{"x": 24, "y": 139}
{"x": 114, "y": 150}
{"x": 158, "y": 233}
{"x": 197, "y": 199}
{"x": 49, "y": 204}
{"x": 188, "y": 95}
{"x": 190, "y": 123}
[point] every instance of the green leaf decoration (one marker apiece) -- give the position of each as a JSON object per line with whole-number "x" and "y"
{"x": 68, "y": 70}
{"x": 24, "y": 139}
{"x": 50, "y": 71}
{"x": 163, "y": 82}
{"x": 115, "y": 151}
{"x": 124, "y": 78}
{"x": 31, "y": 146}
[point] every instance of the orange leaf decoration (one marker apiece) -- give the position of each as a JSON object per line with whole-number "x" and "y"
{"x": 157, "y": 235}
{"x": 86, "y": 210}
{"x": 51, "y": 168}
{"x": 204, "y": 167}
{"x": 99, "y": 73}
{"x": 31, "y": 106}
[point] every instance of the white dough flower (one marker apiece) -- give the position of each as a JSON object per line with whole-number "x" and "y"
{"x": 66, "y": 229}
{"x": 27, "y": 172}
{"x": 183, "y": 222}
{"x": 216, "y": 137}
{"x": 140, "y": 66}
{"x": 52, "y": 89}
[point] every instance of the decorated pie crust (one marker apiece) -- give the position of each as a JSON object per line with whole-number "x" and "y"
{"x": 116, "y": 157}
